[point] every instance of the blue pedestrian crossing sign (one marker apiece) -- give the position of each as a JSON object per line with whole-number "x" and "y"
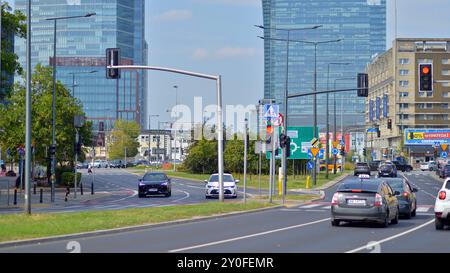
{"x": 444, "y": 155}
{"x": 271, "y": 111}
{"x": 335, "y": 151}
{"x": 310, "y": 165}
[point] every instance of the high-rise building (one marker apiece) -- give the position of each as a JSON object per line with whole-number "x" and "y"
{"x": 362, "y": 26}
{"x": 6, "y": 79}
{"x": 81, "y": 48}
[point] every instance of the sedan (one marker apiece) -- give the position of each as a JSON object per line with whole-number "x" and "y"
{"x": 444, "y": 172}
{"x": 361, "y": 168}
{"x": 387, "y": 170}
{"x": 230, "y": 186}
{"x": 371, "y": 200}
{"x": 407, "y": 198}
{"x": 155, "y": 184}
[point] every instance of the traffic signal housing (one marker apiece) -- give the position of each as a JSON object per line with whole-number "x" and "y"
{"x": 288, "y": 147}
{"x": 363, "y": 85}
{"x": 426, "y": 77}
{"x": 112, "y": 59}
{"x": 389, "y": 125}
{"x": 283, "y": 141}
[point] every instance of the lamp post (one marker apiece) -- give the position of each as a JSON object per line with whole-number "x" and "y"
{"x": 335, "y": 119}
{"x": 286, "y": 93}
{"x": 28, "y": 132}
{"x": 175, "y": 138}
{"x": 53, "y": 155}
{"x": 149, "y": 135}
{"x": 79, "y": 73}
{"x": 327, "y": 155}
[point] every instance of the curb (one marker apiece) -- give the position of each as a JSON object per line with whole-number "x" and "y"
{"x": 129, "y": 229}
{"x": 334, "y": 182}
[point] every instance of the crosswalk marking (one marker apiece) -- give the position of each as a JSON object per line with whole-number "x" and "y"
{"x": 423, "y": 209}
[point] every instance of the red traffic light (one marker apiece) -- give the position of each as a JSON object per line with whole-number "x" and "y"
{"x": 425, "y": 70}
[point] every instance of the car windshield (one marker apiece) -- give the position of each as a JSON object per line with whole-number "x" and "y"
{"x": 226, "y": 178}
{"x": 361, "y": 164}
{"x": 396, "y": 184}
{"x": 154, "y": 177}
{"x": 386, "y": 167}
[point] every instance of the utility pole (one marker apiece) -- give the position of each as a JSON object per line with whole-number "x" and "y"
{"x": 245, "y": 159}
{"x": 27, "y": 205}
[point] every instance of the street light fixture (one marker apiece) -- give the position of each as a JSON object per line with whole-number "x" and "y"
{"x": 286, "y": 94}
{"x": 79, "y": 73}
{"x": 328, "y": 116}
{"x": 53, "y": 156}
{"x": 335, "y": 120}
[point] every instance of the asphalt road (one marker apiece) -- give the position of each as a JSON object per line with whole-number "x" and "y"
{"x": 302, "y": 229}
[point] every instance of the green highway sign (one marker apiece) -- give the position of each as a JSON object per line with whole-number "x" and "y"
{"x": 300, "y": 142}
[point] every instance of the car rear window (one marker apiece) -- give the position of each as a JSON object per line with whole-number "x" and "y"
{"x": 396, "y": 184}
{"x": 366, "y": 186}
{"x": 386, "y": 167}
{"x": 362, "y": 164}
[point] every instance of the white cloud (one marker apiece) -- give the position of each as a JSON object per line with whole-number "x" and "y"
{"x": 175, "y": 15}
{"x": 223, "y": 53}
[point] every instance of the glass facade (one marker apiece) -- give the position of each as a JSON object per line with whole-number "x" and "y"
{"x": 81, "y": 46}
{"x": 6, "y": 79}
{"x": 362, "y": 26}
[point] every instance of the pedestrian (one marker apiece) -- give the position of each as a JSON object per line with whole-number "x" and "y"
{"x": 90, "y": 170}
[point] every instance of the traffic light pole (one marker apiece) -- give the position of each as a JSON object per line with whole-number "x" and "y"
{"x": 77, "y": 139}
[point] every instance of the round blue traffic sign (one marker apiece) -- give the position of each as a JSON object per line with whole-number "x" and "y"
{"x": 444, "y": 155}
{"x": 335, "y": 151}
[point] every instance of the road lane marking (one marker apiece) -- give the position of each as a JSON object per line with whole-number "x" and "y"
{"x": 311, "y": 206}
{"x": 423, "y": 209}
{"x": 393, "y": 237}
{"x": 248, "y": 236}
{"x": 186, "y": 197}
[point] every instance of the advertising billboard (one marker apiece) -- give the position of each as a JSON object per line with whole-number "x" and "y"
{"x": 430, "y": 137}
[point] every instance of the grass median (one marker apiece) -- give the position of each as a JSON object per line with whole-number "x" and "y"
{"x": 22, "y": 227}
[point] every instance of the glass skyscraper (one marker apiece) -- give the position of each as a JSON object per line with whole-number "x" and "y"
{"x": 81, "y": 46}
{"x": 362, "y": 26}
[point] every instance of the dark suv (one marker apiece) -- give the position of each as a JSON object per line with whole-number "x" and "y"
{"x": 387, "y": 170}
{"x": 402, "y": 166}
{"x": 362, "y": 168}
{"x": 444, "y": 172}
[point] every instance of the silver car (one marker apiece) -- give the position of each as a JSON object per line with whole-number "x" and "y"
{"x": 229, "y": 187}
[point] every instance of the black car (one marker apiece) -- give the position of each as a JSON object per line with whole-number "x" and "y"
{"x": 374, "y": 165}
{"x": 444, "y": 172}
{"x": 387, "y": 170}
{"x": 371, "y": 200}
{"x": 116, "y": 164}
{"x": 155, "y": 184}
{"x": 407, "y": 198}
{"x": 402, "y": 166}
{"x": 361, "y": 168}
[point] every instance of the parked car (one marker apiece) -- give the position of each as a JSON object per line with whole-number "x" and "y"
{"x": 230, "y": 186}
{"x": 155, "y": 184}
{"x": 402, "y": 166}
{"x": 116, "y": 164}
{"x": 361, "y": 168}
{"x": 370, "y": 200}
{"x": 387, "y": 170}
{"x": 444, "y": 172}
{"x": 407, "y": 198}
{"x": 442, "y": 206}
{"x": 429, "y": 166}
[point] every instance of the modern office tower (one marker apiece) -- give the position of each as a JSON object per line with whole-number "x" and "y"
{"x": 81, "y": 46}
{"x": 362, "y": 26}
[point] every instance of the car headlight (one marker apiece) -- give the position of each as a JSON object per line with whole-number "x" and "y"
{"x": 141, "y": 184}
{"x": 165, "y": 184}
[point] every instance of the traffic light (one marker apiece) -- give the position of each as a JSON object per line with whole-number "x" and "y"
{"x": 378, "y": 133}
{"x": 426, "y": 77}
{"x": 363, "y": 85}
{"x": 365, "y": 152}
{"x": 343, "y": 151}
{"x": 78, "y": 148}
{"x": 389, "y": 125}
{"x": 288, "y": 147}
{"x": 283, "y": 141}
{"x": 52, "y": 150}
{"x": 269, "y": 128}
{"x": 112, "y": 59}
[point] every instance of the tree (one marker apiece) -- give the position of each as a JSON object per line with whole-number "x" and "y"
{"x": 13, "y": 24}
{"x": 12, "y": 122}
{"x": 124, "y": 136}
{"x": 202, "y": 157}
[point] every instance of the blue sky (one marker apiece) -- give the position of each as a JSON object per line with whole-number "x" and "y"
{"x": 218, "y": 37}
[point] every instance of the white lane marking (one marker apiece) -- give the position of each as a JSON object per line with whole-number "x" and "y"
{"x": 194, "y": 187}
{"x": 393, "y": 237}
{"x": 248, "y": 236}
{"x": 314, "y": 210}
{"x": 423, "y": 209}
{"x": 327, "y": 207}
{"x": 131, "y": 196}
{"x": 186, "y": 197}
{"x": 290, "y": 210}
{"x": 311, "y": 206}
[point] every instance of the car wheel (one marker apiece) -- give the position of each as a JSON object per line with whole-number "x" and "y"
{"x": 439, "y": 224}
{"x": 414, "y": 213}
{"x": 141, "y": 195}
{"x": 408, "y": 215}
{"x": 335, "y": 223}
{"x": 169, "y": 194}
{"x": 385, "y": 223}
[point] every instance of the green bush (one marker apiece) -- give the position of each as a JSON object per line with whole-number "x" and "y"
{"x": 67, "y": 179}
{"x": 59, "y": 171}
